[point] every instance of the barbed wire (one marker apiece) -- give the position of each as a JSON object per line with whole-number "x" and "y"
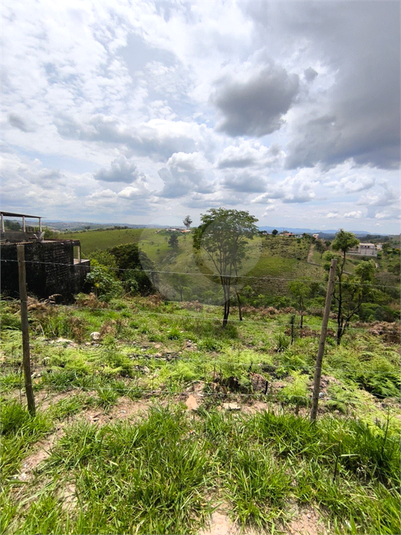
{"x": 215, "y": 373}
{"x": 217, "y": 319}
{"x": 206, "y": 275}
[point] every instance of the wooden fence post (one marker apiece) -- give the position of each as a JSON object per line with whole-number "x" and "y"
{"x": 26, "y": 360}
{"x": 323, "y": 333}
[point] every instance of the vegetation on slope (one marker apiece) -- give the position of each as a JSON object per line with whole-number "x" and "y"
{"x": 165, "y": 472}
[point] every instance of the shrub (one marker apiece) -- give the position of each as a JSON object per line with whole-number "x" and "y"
{"x": 297, "y": 391}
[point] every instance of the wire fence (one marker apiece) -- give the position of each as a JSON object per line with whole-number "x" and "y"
{"x": 206, "y": 274}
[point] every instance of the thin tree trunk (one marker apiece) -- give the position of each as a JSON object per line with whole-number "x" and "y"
{"x": 239, "y": 306}
{"x": 226, "y": 290}
{"x": 340, "y": 330}
{"x": 323, "y": 334}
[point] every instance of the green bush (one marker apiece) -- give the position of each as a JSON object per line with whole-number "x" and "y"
{"x": 297, "y": 391}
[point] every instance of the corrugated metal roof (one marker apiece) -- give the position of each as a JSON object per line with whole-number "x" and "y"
{"x": 13, "y": 214}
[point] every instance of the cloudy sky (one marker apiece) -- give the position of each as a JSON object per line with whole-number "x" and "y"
{"x": 145, "y": 111}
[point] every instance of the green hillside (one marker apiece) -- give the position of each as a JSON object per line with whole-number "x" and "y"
{"x": 150, "y": 415}
{"x": 103, "y": 239}
{"x": 273, "y": 257}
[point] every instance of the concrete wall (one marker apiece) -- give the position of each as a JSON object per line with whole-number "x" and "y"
{"x": 50, "y": 269}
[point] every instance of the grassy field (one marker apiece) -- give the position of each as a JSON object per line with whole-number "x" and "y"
{"x": 103, "y": 239}
{"x": 274, "y": 257}
{"x": 163, "y": 420}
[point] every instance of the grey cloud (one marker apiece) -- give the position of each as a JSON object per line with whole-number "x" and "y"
{"x": 235, "y": 162}
{"x": 386, "y": 199}
{"x": 298, "y": 198}
{"x": 246, "y": 156}
{"x": 144, "y": 140}
{"x": 179, "y": 183}
{"x": 297, "y": 189}
{"x": 245, "y": 182}
{"x": 47, "y": 175}
{"x": 121, "y": 170}
{"x": 256, "y": 107}
{"x": 360, "y": 43}
{"x": 204, "y": 201}
{"x": 310, "y": 74}
{"x": 354, "y": 184}
{"x": 137, "y": 54}
{"x": 18, "y": 122}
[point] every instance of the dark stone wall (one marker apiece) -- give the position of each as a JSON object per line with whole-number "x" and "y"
{"x": 50, "y": 269}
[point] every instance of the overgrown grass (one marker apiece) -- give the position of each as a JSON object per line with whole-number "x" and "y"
{"x": 164, "y": 474}
{"x": 18, "y": 431}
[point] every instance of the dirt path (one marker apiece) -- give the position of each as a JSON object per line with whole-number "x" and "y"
{"x": 310, "y": 254}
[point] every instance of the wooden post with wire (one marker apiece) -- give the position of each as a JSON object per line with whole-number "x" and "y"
{"x": 26, "y": 359}
{"x": 323, "y": 333}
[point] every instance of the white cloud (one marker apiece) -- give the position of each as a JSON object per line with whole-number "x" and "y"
{"x": 116, "y": 109}
{"x": 357, "y": 214}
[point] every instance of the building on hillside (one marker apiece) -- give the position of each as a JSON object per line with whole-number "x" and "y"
{"x": 316, "y": 236}
{"x": 364, "y": 249}
{"x": 52, "y": 266}
{"x": 286, "y": 233}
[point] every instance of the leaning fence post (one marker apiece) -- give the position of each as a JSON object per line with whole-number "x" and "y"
{"x": 323, "y": 333}
{"x": 26, "y": 360}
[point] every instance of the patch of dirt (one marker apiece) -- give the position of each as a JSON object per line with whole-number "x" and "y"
{"x": 125, "y": 409}
{"x": 390, "y": 332}
{"x": 220, "y": 524}
{"x": 41, "y": 453}
{"x": 45, "y": 400}
{"x": 191, "y": 403}
{"x": 257, "y": 406}
{"x": 306, "y": 522}
{"x": 68, "y": 497}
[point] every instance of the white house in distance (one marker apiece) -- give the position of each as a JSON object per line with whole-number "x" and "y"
{"x": 364, "y": 249}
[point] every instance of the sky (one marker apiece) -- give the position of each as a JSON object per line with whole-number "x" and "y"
{"x": 142, "y": 112}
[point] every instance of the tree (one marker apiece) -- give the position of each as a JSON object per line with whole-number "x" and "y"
{"x": 347, "y": 292}
{"x": 11, "y": 225}
{"x": 274, "y": 232}
{"x": 300, "y": 291}
{"x": 180, "y": 283}
{"x": 223, "y": 236}
{"x": 173, "y": 241}
{"x": 320, "y": 247}
{"x": 104, "y": 281}
{"x": 187, "y": 221}
{"x": 135, "y": 268}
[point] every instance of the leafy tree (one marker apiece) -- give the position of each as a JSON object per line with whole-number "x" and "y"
{"x": 300, "y": 290}
{"x": 180, "y": 283}
{"x": 49, "y": 234}
{"x": 223, "y": 235}
{"x": 173, "y": 241}
{"x": 11, "y": 225}
{"x": 274, "y": 232}
{"x": 308, "y": 237}
{"x": 349, "y": 290}
{"x": 187, "y": 221}
{"x": 135, "y": 268}
{"x": 105, "y": 258}
{"x": 320, "y": 247}
{"x": 103, "y": 281}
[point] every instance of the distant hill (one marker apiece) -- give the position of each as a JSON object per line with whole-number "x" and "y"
{"x": 323, "y": 233}
{"x": 72, "y": 226}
